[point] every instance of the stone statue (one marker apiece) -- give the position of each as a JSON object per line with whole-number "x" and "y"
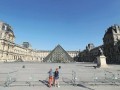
{"x": 101, "y": 59}
{"x": 100, "y": 52}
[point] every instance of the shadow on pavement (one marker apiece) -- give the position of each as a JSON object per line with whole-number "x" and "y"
{"x": 44, "y": 82}
{"x": 80, "y": 85}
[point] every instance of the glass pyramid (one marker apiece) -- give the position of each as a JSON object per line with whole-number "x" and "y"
{"x": 58, "y": 55}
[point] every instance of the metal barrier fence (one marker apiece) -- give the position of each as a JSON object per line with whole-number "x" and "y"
{"x": 107, "y": 78}
{"x": 17, "y": 78}
{"x": 99, "y": 78}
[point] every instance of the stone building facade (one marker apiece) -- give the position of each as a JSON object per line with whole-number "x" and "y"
{"x": 89, "y": 54}
{"x": 111, "y": 41}
{"x": 110, "y": 47}
{"x": 10, "y": 51}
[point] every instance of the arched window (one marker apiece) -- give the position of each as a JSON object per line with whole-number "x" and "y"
{"x": 3, "y": 27}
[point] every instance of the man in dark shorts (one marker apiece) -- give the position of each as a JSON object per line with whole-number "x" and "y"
{"x": 56, "y": 77}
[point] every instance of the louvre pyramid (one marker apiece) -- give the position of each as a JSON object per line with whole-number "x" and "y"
{"x": 58, "y": 55}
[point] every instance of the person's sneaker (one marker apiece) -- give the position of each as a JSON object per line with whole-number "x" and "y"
{"x": 58, "y": 86}
{"x": 50, "y": 86}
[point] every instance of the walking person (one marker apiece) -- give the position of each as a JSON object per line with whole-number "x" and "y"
{"x": 50, "y": 81}
{"x": 56, "y": 77}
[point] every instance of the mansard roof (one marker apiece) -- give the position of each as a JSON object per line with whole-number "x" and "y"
{"x": 112, "y": 30}
{"x": 8, "y": 29}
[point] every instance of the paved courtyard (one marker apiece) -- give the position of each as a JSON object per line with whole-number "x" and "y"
{"x": 77, "y": 76}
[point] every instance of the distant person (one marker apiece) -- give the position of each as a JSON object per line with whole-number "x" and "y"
{"x": 50, "y": 81}
{"x": 59, "y": 67}
{"x": 56, "y": 77}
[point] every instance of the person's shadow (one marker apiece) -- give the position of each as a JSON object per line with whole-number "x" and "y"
{"x": 45, "y": 82}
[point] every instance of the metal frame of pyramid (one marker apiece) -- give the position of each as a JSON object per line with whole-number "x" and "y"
{"x": 58, "y": 55}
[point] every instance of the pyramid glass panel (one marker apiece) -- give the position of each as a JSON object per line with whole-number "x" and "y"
{"x": 58, "y": 55}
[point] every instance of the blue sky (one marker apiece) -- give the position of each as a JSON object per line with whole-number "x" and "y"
{"x": 71, "y": 23}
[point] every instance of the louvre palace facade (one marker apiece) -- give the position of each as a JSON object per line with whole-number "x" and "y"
{"x": 110, "y": 47}
{"x": 12, "y": 52}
